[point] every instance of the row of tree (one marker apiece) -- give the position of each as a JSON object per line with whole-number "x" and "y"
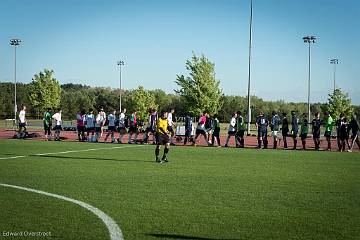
{"x": 197, "y": 92}
{"x": 74, "y": 97}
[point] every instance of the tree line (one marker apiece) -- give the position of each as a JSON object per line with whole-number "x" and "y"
{"x": 197, "y": 91}
{"x": 74, "y": 97}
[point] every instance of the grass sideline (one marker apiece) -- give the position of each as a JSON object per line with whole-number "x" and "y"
{"x": 203, "y": 193}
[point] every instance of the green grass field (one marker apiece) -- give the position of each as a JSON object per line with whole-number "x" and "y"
{"x": 202, "y": 193}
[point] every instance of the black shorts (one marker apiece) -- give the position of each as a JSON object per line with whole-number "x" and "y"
{"x": 200, "y": 131}
{"x": 97, "y": 129}
{"x": 121, "y": 129}
{"x": 162, "y": 138}
{"x": 111, "y": 128}
{"x": 81, "y": 128}
{"x": 303, "y": 136}
{"x": 343, "y": 136}
{"x": 316, "y": 135}
{"x": 327, "y": 134}
{"x": 240, "y": 133}
{"x": 188, "y": 133}
{"x": 22, "y": 125}
{"x": 90, "y": 129}
{"x": 284, "y": 133}
{"x": 170, "y": 129}
{"x": 262, "y": 134}
{"x": 47, "y": 129}
{"x": 133, "y": 129}
{"x": 150, "y": 129}
{"x": 57, "y": 128}
{"x": 216, "y": 133}
{"x": 231, "y": 133}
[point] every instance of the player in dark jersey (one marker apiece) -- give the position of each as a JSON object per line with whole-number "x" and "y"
{"x": 216, "y": 133}
{"x": 304, "y": 129}
{"x": 342, "y": 126}
{"x": 341, "y": 135}
{"x": 294, "y": 128}
{"x": 261, "y": 125}
{"x": 209, "y": 127}
{"x": 354, "y": 128}
{"x": 285, "y": 129}
{"x": 151, "y": 128}
{"x": 274, "y": 126}
{"x": 316, "y": 126}
{"x": 240, "y": 130}
{"x": 188, "y": 129}
{"x": 47, "y": 124}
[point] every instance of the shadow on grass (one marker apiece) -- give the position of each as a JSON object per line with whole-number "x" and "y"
{"x": 91, "y": 158}
{"x": 177, "y": 236}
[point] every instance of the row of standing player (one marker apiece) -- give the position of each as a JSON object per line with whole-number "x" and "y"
{"x": 299, "y": 127}
{"x": 47, "y": 120}
{"x": 93, "y": 126}
{"x": 210, "y": 129}
{"x": 207, "y": 126}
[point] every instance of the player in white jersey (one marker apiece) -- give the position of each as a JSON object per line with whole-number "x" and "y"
{"x": 102, "y": 121}
{"x": 58, "y": 122}
{"x": 89, "y": 123}
{"x": 122, "y": 125}
{"x": 22, "y": 122}
{"x": 111, "y": 126}
{"x": 170, "y": 125}
{"x": 98, "y": 123}
{"x": 232, "y": 129}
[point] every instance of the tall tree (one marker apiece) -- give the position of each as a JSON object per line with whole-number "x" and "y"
{"x": 339, "y": 102}
{"x": 201, "y": 90}
{"x": 45, "y": 91}
{"x": 141, "y": 100}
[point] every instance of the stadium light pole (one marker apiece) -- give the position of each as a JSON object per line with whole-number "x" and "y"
{"x": 15, "y": 42}
{"x": 309, "y": 40}
{"x": 120, "y": 64}
{"x": 249, "y": 70}
{"x": 334, "y": 62}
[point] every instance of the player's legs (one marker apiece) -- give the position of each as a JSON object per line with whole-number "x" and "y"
{"x": 294, "y": 137}
{"x": 328, "y": 139}
{"x": 130, "y": 135}
{"x": 157, "y": 152}
{"x": 284, "y": 135}
{"x": 265, "y": 140}
{"x": 275, "y": 139}
{"x": 260, "y": 138}
{"x": 303, "y": 141}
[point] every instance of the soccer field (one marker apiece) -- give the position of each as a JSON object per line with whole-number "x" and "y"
{"x": 202, "y": 193}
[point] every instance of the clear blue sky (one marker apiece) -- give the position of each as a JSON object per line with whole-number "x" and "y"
{"x": 82, "y": 40}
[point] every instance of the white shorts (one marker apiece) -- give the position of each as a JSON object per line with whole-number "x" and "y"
{"x": 274, "y": 133}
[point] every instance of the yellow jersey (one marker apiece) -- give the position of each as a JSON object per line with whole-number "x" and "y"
{"x": 162, "y": 126}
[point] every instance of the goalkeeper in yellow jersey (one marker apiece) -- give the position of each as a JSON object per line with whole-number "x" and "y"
{"x": 162, "y": 137}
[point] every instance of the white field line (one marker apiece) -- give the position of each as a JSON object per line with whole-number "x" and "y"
{"x": 72, "y": 151}
{"x": 84, "y": 150}
{"x": 113, "y": 228}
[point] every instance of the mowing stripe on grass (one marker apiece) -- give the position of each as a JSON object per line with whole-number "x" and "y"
{"x": 114, "y": 230}
{"x": 71, "y": 151}
{"x": 14, "y": 157}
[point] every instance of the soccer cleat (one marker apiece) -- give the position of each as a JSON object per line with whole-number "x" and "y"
{"x": 157, "y": 160}
{"x": 164, "y": 159}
